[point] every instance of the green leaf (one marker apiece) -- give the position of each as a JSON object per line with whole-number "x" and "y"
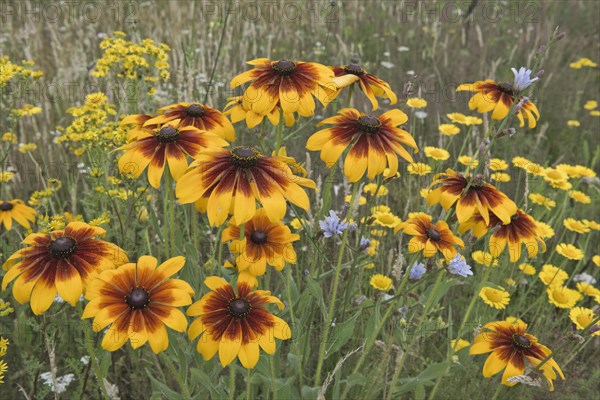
{"x": 162, "y": 388}
{"x": 341, "y": 334}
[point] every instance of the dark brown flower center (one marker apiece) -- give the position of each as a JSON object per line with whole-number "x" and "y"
{"x": 354, "y": 69}
{"x": 259, "y": 237}
{"x": 433, "y": 234}
{"x": 478, "y": 182}
{"x": 167, "y": 134}
{"x": 6, "y": 206}
{"x": 284, "y": 67}
{"x": 521, "y": 341}
{"x": 239, "y": 308}
{"x": 137, "y": 298}
{"x": 245, "y": 157}
{"x": 195, "y": 111}
{"x": 63, "y": 247}
{"x": 369, "y": 124}
{"x": 507, "y": 88}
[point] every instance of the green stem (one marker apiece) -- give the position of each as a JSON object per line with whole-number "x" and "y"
{"x": 331, "y": 310}
{"x": 232, "y": 381}
{"x": 248, "y": 385}
{"x": 90, "y": 349}
{"x": 171, "y": 367}
{"x": 273, "y": 386}
{"x": 369, "y": 344}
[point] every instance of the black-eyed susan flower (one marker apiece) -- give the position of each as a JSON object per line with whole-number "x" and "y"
{"x": 510, "y": 348}
{"x": 381, "y": 282}
{"x": 569, "y": 251}
{"x": 449, "y": 129}
{"x": 135, "y": 123}
{"x": 500, "y": 97}
{"x": 236, "y": 323}
{"x": 62, "y": 261}
{"x": 265, "y": 242}
{"x": 470, "y": 194}
{"x": 583, "y": 317}
{"x": 230, "y": 181}
{"x": 562, "y": 296}
{"x": 136, "y": 301}
{"x": 291, "y": 84}
{"x": 521, "y": 230}
{"x": 16, "y": 210}
{"x": 371, "y": 85}
{"x": 171, "y": 143}
{"x": 200, "y": 116}
{"x": 496, "y": 298}
{"x": 527, "y": 269}
{"x": 551, "y": 275}
{"x": 430, "y": 238}
{"x": 375, "y": 142}
{"x": 436, "y": 153}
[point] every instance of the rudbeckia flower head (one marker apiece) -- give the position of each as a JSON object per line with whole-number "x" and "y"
{"x": 16, "y": 210}
{"x": 230, "y": 181}
{"x": 200, "y": 116}
{"x": 291, "y": 84}
{"x": 171, "y": 143}
{"x": 265, "y": 242}
{"x": 370, "y": 85}
{"x": 136, "y": 301}
{"x": 375, "y": 142}
{"x": 430, "y": 238}
{"x": 470, "y": 194}
{"x": 511, "y": 347}
{"x": 236, "y": 323}
{"x": 62, "y": 261}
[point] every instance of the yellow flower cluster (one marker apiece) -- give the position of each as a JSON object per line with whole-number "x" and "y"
{"x": 26, "y": 111}
{"x": 9, "y": 70}
{"x": 6, "y": 176}
{"x": 10, "y": 137}
{"x": 147, "y": 60}
{"x": 93, "y": 127}
{"x": 583, "y": 62}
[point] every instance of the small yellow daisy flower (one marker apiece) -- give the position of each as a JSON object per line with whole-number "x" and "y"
{"x": 521, "y": 162}
{"x": 542, "y": 200}
{"x": 562, "y": 296}
{"x": 484, "y": 258}
{"x": 527, "y": 269}
{"x": 545, "y": 230}
{"x": 372, "y": 187}
{"x": 580, "y": 197}
{"x": 497, "y": 164}
{"x": 575, "y": 225}
{"x": 591, "y": 224}
{"x": 468, "y": 161}
{"x": 552, "y": 276}
{"x": 569, "y": 251}
{"x": 582, "y": 318}
{"x": 587, "y": 289}
{"x": 573, "y": 122}
{"x": 381, "y": 282}
{"x": 595, "y": 113}
{"x": 361, "y": 201}
{"x": 590, "y": 104}
{"x": 416, "y": 102}
{"x": 436, "y": 153}
{"x": 496, "y": 298}
{"x": 449, "y": 129}
{"x": 500, "y": 177}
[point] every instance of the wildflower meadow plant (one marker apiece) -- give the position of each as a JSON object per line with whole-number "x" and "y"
{"x": 264, "y": 214}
